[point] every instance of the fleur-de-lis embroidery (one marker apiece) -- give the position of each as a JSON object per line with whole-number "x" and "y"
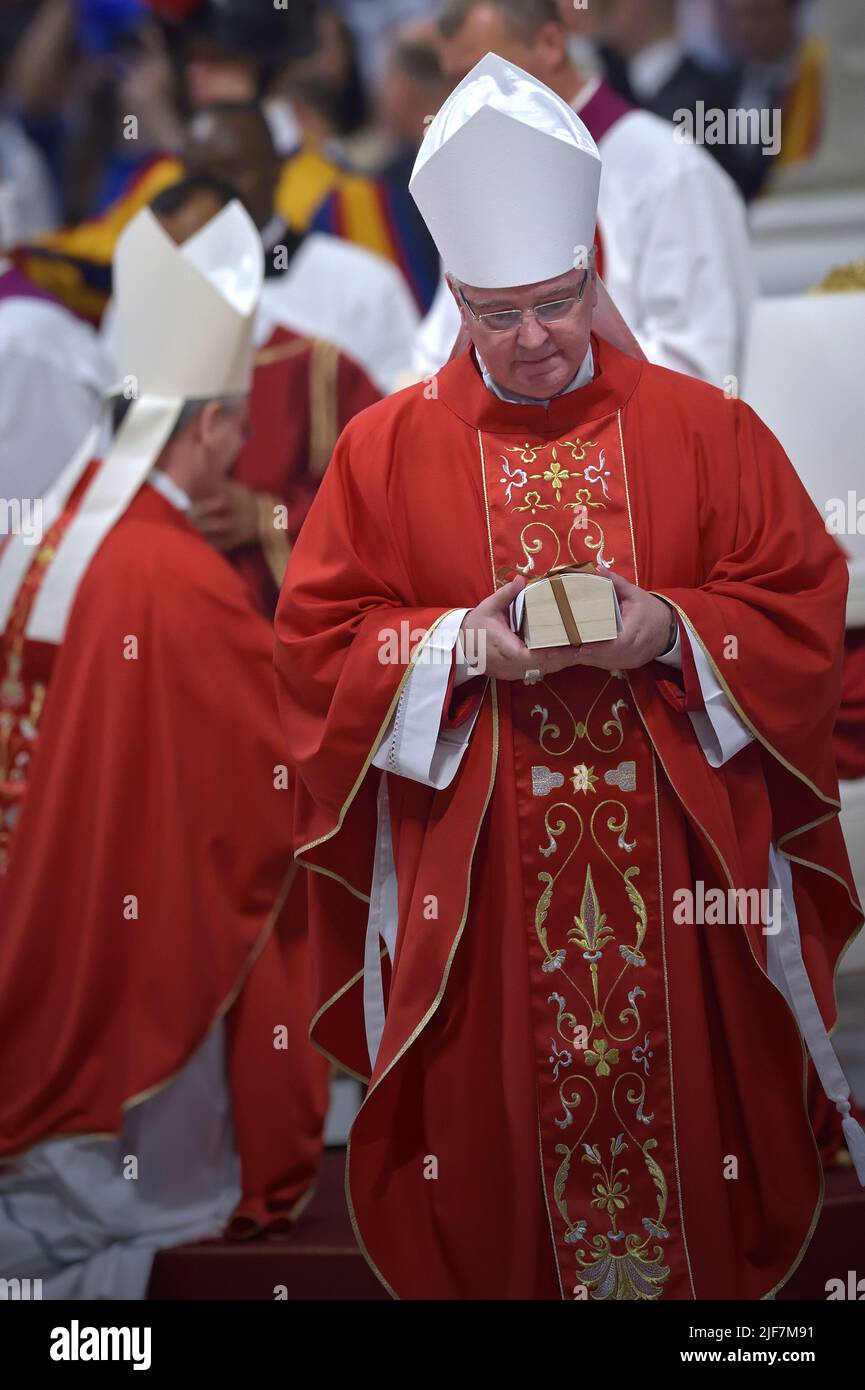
{"x": 601, "y": 1056}
{"x": 590, "y": 930}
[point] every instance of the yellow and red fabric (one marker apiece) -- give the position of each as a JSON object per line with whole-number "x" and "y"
{"x": 304, "y": 392}
{"x": 74, "y": 264}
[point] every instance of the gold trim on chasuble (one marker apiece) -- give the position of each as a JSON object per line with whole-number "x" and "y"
{"x": 21, "y": 701}
{"x": 587, "y": 808}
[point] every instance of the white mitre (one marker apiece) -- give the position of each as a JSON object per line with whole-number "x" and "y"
{"x": 507, "y": 182}
{"x": 185, "y": 317}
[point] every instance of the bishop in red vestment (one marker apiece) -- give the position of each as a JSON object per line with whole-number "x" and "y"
{"x": 153, "y": 958}
{"x": 147, "y": 886}
{"x": 577, "y": 1088}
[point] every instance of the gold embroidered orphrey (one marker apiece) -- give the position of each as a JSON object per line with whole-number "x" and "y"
{"x": 601, "y": 976}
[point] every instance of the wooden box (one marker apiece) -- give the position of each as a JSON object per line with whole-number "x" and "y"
{"x": 567, "y": 609}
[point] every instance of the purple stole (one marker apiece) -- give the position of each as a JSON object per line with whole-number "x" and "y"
{"x": 15, "y": 285}
{"x": 602, "y": 111}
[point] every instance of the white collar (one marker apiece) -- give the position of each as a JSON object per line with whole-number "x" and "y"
{"x": 586, "y": 92}
{"x": 584, "y": 376}
{"x": 650, "y": 69}
{"x": 168, "y": 488}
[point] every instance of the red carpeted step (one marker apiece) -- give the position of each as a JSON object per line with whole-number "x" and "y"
{"x": 839, "y": 1240}
{"x": 320, "y": 1258}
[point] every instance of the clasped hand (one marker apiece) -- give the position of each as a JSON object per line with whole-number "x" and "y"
{"x": 487, "y": 636}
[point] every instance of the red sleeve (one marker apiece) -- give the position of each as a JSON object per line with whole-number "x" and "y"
{"x": 688, "y": 695}
{"x": 849, "y": 737}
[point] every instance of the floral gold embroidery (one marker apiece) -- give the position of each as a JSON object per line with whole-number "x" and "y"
{"x": 602, "y": 1057}
{"x": 584, "y": 778}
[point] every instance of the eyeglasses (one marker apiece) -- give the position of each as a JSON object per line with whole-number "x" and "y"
{"x": 505, "y": 320}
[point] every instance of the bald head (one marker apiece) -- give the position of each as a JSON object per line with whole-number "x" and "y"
{"x": 526, "y": 32}
{"x": 232, "y": 143}
{"x": 524, "y": 17}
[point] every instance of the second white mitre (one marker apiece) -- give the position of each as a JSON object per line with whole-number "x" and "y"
{"x": 185, "y": 319}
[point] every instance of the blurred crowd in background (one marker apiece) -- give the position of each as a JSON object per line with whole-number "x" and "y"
{"x": 95, "y": 93}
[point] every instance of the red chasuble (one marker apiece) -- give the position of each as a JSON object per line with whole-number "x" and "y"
{"x": 304, "y": 392}
{"x": 148, "y": 887}
{"x": 850, "y": 728}
{"x": 574, "y": 1095}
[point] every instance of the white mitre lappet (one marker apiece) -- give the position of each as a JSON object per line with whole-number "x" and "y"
{"x": 185, "y": 318}
{"x": 507, "y": 182}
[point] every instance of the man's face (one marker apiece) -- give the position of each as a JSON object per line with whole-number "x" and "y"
{"x": 212, "y": 443}
{"x": 214, "y": 75}
{"x": 486, "y": 31}
{"x": 196, "y": 212}
{"x": 404, "y": 105}
{"x": 227, "y": 146}
{"x": 536, "y": 359}
{"x": 224, "y": 438}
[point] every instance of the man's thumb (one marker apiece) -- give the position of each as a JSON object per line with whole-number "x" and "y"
{"x": 622, "y": 586}
{"x": 503, "y": 597}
